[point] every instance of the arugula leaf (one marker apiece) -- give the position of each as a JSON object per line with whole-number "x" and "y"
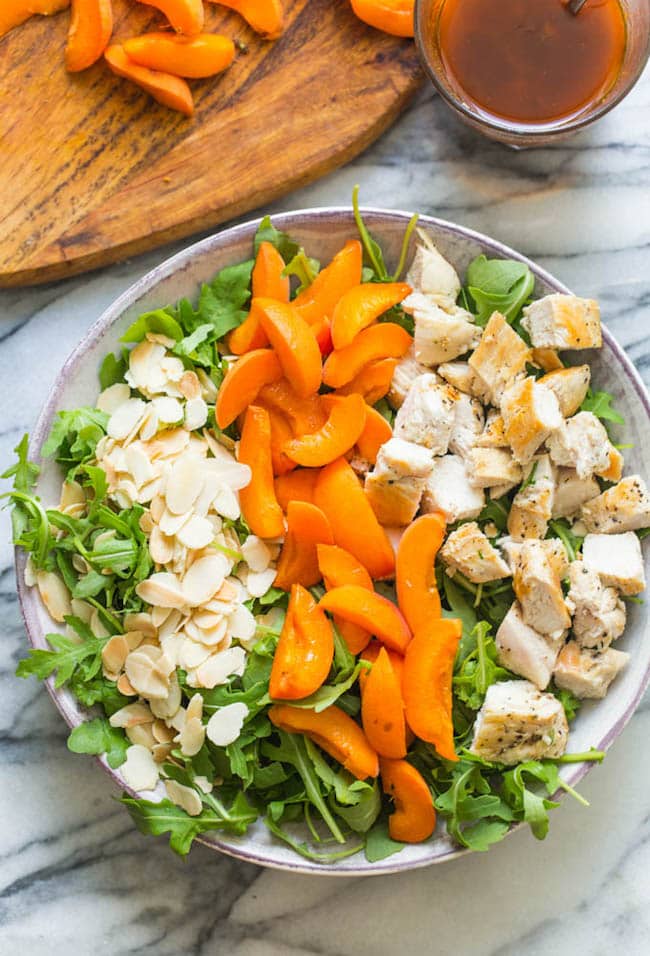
{"x": 494, "y": 512}
{"x": 459, "y": 607}
{"x": 24, "y": 472}
{"x": 188, "y": 345}
{"x": 159, "y": 321}
{"x": 569, "y": 701}
{"x": 67, "y": 655}
{"x": 476, "y": 817}
{"x": 526, "y": 804}
{"x": 378, "y": 845}
{"x": 112, "y": 369}
{"x": 479, "y": 670}
{"x": 560, "y": 528}
{"x": 165, "y": 817}
{"x": 600, "y": 405}
{"x": 221, "y": 303}
{"x": 385, "y": 410}
{"x": 303, "y": 268}
{"x": 502, "y": 285}
{"x": 373, "y": 256}
{"x": 362, "y": 815}
{"x": 74, "y": 436}
{"x": 97, "y": 690}
{"x": 98, "y": 737}
{"x": 328, "y": 694}
{"x": 282, "y": 241}
{"x": 302, "y": 848}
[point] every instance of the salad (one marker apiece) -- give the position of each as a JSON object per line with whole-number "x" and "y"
{"x": 339, "y": 551}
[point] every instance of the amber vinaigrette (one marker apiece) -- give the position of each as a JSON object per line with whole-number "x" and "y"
{"x": 531, "y": 61}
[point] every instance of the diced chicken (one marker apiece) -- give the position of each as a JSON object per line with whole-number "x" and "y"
{"x": 500, "y": 358}
{"x": 581, "y": 443}
{"x": 531, "y": 414}
{"x": 525, "y": 651}
{"x": 394, "y": 489}
{"x": 532, "y": 506}
{"x": 553, "y": 548}
{"x": 588, "y": 673}
{"x": 448, "y": 489}
{"x": 467, "y": 426}
{"x": 432, "y": 274}
{"x": 547, "y": 359}
{"x": 460, "y": 375}
{"x": 614, "y": 470}
{"x": 469, "y": 551}
{"x": 571, "y": 492}
{"x": 427, "y": 414}
{"x": 491, "y": 467}
{"x": 439, "y": 335}
{"x": 617, "y": 559}
{"x": 494, "y": 433}
{"x": 406, "y": 372}
{"x": 570, "y": 387}
{"x": 517, "y": 722}
{"x": 625, "y": 507}
{"x": 598, "y": 612}
{"x": 539, "y": 590}
{"x": 563, "y": 322}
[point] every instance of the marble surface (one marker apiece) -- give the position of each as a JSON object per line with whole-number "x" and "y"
{"x": 76, "y": 876}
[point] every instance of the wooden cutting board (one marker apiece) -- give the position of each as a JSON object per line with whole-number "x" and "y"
{"x": 92, "y": 170}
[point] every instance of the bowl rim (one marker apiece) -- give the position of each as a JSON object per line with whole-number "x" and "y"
{"x": 525, "y": 133}
{"x": 181, "y": 260}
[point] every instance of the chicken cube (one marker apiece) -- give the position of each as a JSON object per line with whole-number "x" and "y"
{"x": 530, "y": 414}
{"x": 570, "y": 387}
{"x": 581, "y": 443}
{"x": 614, "y": 470}
{"x": 517, "y": 722}
{"x": 532, "y": 506}
{"x": 467, "y": 426}
{"x": 448, "y": 489}
{"x": 617, "y": 559}
{"x": 499, "y": 359}
{"x": 394, "y": 489}
{"x": 406, "y": 372}
{"x": 492, "y": 467}
{"x": 432, "y": 275}
{"x": 427, "y": 415}
{"x": 524, "y": 651}
{"x": 460, "y": 375}
{"x": 571, "y": 492}
{"x": 469, "y": 551}
{"x": 625, "y": 507}
{"x": 563, "y": 322}
{"x": 598, "y": 612}
{"x": 553, "y": 548}
{"x": 547, "y": 359}
{"x": 539, "y": 590}
{"x": 439, "y": 336}
{"x": 588, "y": 673}
{"x": 494, "y": 433}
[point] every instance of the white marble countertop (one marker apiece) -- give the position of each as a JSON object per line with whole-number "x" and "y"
{"x": 74, "y": 874}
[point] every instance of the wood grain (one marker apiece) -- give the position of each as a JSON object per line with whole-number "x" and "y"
{"x": 92, "y": 170}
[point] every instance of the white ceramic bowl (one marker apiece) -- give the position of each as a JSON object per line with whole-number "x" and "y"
{"x": 323, "y": 232}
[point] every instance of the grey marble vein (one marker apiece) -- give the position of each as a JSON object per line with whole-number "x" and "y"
{"x": 74, "y": 874}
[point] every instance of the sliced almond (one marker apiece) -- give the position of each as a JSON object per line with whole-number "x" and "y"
{"x": 163, "y": 590}
{"x": 161, "y": 339}
{"x": 196, "y": 413}
{"x": 165, "y": 708}
{"x": 219, "y": 667}
{"x": 82, "y": 609}
{"x": 233, "y": 473}
{"x": 54, "y": 595}
{"x": 141, "y": 734}
{"x": 125, "y": 686}
{"x": 206, "y": 620}
{"x": 71, "y": 494}
{"x": 138, "y": 464}
{"x": 149, "y": 424}
{"x": 171, "y": 645}
{"x": 195, "y": 706}
{"x": 256, "y": 554}
{"x": 168, "y": 444}
{"x": 203, "y": 784}
{"x": 170, "y": 625}
{"x": 173, "y": 368}
{"x": 184, "y": 797}
{"x": 208, "y": 388}
{"x": 162, "y": 733}
{"x": 144, "y": 360}
{"x": 145, "y": 670}
{"x": 112, "y": 397}
{"x": 125, "y": 418}
{"x": 139, "y": 769}
{"x": 258, "y": 584}
{"x": 30, "y": 572}
{"x": 192, "y": 654}
{"x": 204, "y": 579}
{"x": 183, "y": 485}
{"x": 114, "y": 654}
{"x": 189, "y": 385}
{"x": 131, "y": 715}
{"x": 161, "y": 752}
{"x": 196, "y": 533}
{"x": 134, "y": 637}
{"x": 169, "y": 410}
{"x": 96, "y": 624}
{"x": 226, "y": 503}
{"x": 192, "y": 736}
{"x": 242, "y": 625}
{"x": 146, "y": 523}
{"x": 212, "y": 637}
{"x": 161, "y": 546}
{"x": 224, "y": 727}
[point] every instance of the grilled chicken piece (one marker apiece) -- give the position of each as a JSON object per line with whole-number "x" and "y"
{"x": 493, "y": 468}
{"x": 571, "y": 492}
{"x": 617, "y": 559}
{"x": 432, "y": 275}
{"x": 625, "y": 507}
{"x": 563, "y": 322}
{"x": 588, "y": 673}
{"x": 448, "y": 489}
{"x": 469, "y": 551}
{"x": 570, "y": 386}
{"x": 530, "y": 414}
{"x": 581, "y": 443}
{"x": 539, "y": 590}
{"x": 494, "y": 433}
{"x": 598, "y": 612}
{"x": 394, "y": 488}
{"x": 553, "y": 549}
{"x": 500, "y": 358}
{"x": 525, "y": 651}
{"x": 460, "y": 375}
{"x": 467, "y": 426}
{"x": 439, "y": 335}
{"x": 406, "y": 372}
{"x": 427, "y": 414}
{"x": 517, "y": 722}
{"x": 532, "y": 506}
